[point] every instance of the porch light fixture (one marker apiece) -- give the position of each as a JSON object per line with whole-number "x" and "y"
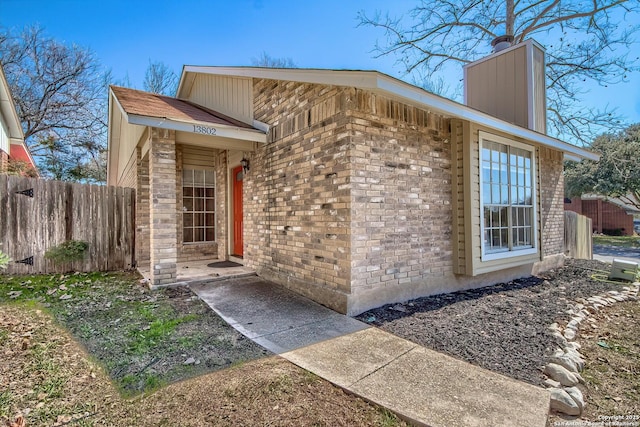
{"x": 245, "y": 164}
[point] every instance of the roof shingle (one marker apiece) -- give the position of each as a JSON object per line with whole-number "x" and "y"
{"x": 148, "y": 104}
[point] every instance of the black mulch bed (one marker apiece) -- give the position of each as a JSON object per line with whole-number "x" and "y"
{"x": 503, "y": 327}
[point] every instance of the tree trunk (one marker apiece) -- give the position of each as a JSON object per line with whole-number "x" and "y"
{"x": 510, "y": 18}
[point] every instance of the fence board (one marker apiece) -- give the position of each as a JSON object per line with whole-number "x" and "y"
{"x": 578, "y": 236}
{"x": 59, "y": 211}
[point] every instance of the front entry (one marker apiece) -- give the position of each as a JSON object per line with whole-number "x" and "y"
{"x": 238, "y": 175}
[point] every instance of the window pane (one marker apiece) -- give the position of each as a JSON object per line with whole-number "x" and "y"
{"x": 198, "y": 178}
{"x": 198, "y": 192}
{"x": 198, "y": 205}
{"x": 209, "y": 219}
{"x": 210, "y": 192}
{"x": 187, "y": 177}
{"x": 209, "y": 178}
{"x": 187, "y": 220}
{"x": 187, "y": 191}
{"x": 198, "y": 219}
{"x": 210, "y": 205}
{"x": 486, "y": 194}
{"x": 187, "y": 204}
{"x": 507, "y": 188}
{"x": 210, "y": 234}
{"x": 198, "y": 234}
{"x": 187, "y": 235}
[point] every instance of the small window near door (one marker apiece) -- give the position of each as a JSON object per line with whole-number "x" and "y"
{"x": 198, "y": 206}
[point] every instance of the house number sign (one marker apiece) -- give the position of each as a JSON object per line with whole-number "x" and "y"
{"x": 205, "y": 130}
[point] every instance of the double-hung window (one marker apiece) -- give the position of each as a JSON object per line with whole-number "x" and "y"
{"x": 507, "y": 195}
{"x": 198, "y": 206}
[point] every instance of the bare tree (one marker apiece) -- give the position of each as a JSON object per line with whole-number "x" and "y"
{"x": 61, "y": 99}
{"x": 586, "y": 41}
{"x": 161, "y": 79}
{"x": 266, "y": 60}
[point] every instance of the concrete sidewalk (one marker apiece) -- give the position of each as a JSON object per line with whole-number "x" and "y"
{"x": 421, "y": 385}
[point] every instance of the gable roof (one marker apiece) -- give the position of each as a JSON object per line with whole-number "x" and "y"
{"x": 139, "y": 103}
{"x": 376, "y": 81}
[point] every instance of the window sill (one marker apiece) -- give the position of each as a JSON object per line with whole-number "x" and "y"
{"x": 507, "y": 260}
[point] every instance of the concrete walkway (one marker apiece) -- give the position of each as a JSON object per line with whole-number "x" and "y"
{"x": 423, "y": 386}
{"x": 606, "y": 253}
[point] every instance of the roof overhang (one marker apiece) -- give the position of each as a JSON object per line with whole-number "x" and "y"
{"x": 392, "y": 87}
{"x": 8, "y": 110}
{"x": 192, "y": 126}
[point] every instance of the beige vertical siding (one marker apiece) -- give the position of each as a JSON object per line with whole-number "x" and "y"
{"x": 231, "y": 96}
{"x": 511, "y": 86}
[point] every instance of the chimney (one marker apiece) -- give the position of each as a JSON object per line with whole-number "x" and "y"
{"x": 510, "y": 84}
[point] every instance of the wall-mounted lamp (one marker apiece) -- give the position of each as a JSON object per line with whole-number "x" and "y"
{"x": 245, "y": 164}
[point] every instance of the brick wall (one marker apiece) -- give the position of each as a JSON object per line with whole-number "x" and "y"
{"x": 142, "y": 210}
{"x": 297, "y": 194}
{"x": 350, "y": 202}
{"x": 551, "y": 200}
{"x": 401, "y": 195}
{"x": 162, "y": 219}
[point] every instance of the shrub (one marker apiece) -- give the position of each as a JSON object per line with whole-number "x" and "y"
{"x": 69, "y": 251}
{"x": 4, "y": 260}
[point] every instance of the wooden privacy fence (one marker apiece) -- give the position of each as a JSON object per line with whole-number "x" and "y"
{"x": 36, "y": 215}
{"x": 578, "y": 236}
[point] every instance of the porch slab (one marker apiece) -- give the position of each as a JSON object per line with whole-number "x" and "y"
{"x": 192, "y": 272}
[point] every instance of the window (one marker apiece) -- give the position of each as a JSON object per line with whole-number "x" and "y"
{"x": 198, "y": 206}
{"x": 507, "y": 195}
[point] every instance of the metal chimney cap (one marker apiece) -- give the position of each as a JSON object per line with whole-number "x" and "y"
{"x": 501, "y": 42}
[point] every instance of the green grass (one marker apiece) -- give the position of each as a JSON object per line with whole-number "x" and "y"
{"x": 6, "y": 397}
{"x": 140, "y": 337}
{"x": 620, "y": 241}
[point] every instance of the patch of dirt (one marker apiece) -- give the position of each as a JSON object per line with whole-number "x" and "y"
{"x": 612, "y": 370}
{"x": 503, "y": 327}
{"x": 47, "y": 378}
{"x": 144, "y": 339}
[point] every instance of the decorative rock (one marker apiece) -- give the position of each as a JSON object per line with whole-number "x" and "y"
{"x": 569, "y": 334}
{"x": 577, "y": 397}
{"x": 561, "y": 374}
{"x": 575, "y": 357}
{"x": 562, "y": 402}
{"x": 551, "y": 383}
{"x": 559, "y": 339}
{"x": 399, "y": 307}
{"x": 574, "y": 345}
{"x": 189, "y": 361}
{"x": 553, "y": 327}
{"x": 565, "y": 362}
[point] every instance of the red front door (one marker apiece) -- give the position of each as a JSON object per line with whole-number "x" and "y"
{"x": 237, "y": 211}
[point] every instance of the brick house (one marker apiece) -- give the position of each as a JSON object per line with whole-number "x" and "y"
{"x": 608, "y": 216}
{"x": 357, "y": 189}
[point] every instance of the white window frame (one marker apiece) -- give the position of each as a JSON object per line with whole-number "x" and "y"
{"x": 485, "y": 136}
{"x": 193, "y": 170}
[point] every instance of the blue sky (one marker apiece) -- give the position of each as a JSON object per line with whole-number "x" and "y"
{"x": 126, "y": 34}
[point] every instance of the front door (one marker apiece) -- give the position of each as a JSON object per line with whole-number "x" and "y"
{"x": 237, "y": 211}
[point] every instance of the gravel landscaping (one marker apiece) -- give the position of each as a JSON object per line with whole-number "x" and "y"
{"x": 504, "y": 327}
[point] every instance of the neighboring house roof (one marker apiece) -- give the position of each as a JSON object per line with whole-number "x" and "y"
{"x": 150, "y": 109}
{"x": 20, "y": 152}
{"x": 388, "y": 86}
{"x": 628, "y": 208}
